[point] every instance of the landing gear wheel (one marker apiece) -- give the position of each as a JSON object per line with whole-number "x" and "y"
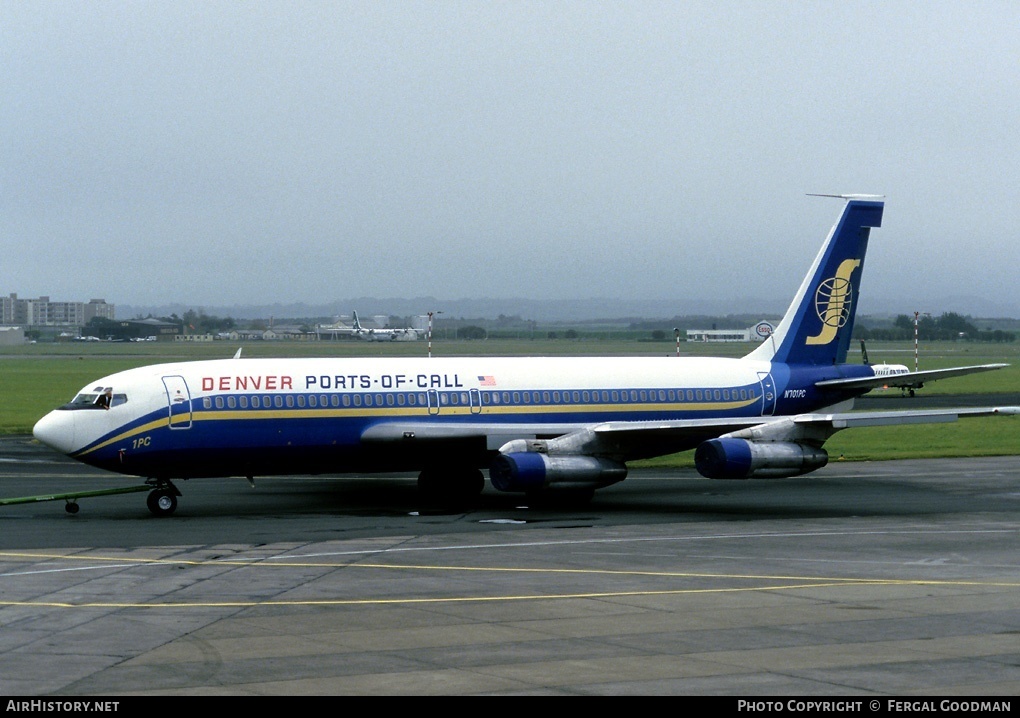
{"x": 560, "y": 498}
{"x": 470, "y": 483}
{"x": 451, "y": 488}
{"x": 430, "y": 484}
{"x": 161, "y": 502}
{"x": 71, "y": 507}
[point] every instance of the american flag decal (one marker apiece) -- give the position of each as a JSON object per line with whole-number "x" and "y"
{"x": 486, "y": 381}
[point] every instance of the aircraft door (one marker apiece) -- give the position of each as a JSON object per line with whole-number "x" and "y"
{"x": 433, "y": 396}
{"x": 768, "y": 393}
{"x": 476, "y": 401}
{"x": 179, "y": 401}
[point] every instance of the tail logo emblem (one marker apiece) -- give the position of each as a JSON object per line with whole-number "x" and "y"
{"x": 833, "y": 300}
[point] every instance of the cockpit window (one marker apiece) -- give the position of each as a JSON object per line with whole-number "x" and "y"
{"x": 89, "y": 399}
{"x": 83, "y": 400}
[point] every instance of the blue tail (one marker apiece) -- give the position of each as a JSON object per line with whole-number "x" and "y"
{"x": 817, "y": 327}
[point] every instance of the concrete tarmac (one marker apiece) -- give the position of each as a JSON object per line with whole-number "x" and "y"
{"x": 862, "y": 579}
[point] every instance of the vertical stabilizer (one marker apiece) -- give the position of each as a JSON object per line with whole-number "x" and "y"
{"x": 817, "y": 327}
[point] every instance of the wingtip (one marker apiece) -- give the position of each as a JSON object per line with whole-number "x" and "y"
{"x": 848, "y": 197}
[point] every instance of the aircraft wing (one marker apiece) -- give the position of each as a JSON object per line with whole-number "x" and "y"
{"x": 910, "y": 380}
{"x": 627, "y": 440}
{"x": 630, "y": 440}
{"x": 442, "y": 431}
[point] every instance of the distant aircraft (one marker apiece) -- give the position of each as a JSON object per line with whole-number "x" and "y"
{"x": 899, "y": 376}
{"x": 378, "y": 335}
{"x": 891, "y": 370}
{"x": 538, "y": 424}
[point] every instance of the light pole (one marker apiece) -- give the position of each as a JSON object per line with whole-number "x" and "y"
{"x": 916, "y": 315}
{"x": 676, "y": 330}
{"x": 430, "y": 332}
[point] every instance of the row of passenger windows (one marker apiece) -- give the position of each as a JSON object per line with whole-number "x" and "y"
{"x": 463, "y": 398}
{"x": 615, "y": 397}
{"x": 313, "y": 401}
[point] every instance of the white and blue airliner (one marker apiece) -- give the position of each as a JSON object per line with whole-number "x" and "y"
{"x": 536, "y": 424}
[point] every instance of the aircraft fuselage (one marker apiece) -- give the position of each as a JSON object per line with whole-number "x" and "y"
{"x": 305, "y": 416}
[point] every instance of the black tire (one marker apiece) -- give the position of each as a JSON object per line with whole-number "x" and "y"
{"x": 470, "y": 483}
{"x": 161, "y": 502}
{"x": 453, "y": 488}
{"x": 559, "y": 498}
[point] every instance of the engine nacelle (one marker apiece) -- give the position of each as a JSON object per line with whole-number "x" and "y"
{"x": 742, "y": 459}
{"x": 530, "y": 471}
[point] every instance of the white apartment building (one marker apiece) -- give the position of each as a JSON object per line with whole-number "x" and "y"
{"x": 43, "y": 312}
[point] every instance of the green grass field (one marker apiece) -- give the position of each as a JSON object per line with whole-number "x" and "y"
{"x": 37, "y": 378}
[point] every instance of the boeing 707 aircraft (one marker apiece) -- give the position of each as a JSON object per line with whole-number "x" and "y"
{"x": 536, "y": 424}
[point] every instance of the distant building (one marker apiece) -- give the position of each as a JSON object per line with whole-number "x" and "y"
{"x": 42, "y": 312}
{"x": 288, "y": 333}
{"x": 11, "y": 336}
{"x": 162, "y": 331}
{"x": 758, "y": 333}
{"x": 247, "y": 335}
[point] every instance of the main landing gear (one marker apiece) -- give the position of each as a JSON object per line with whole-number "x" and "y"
{"x": 452, "y": 486}
{"x": 162, "y": 500}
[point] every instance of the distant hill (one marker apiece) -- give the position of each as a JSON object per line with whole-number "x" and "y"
{"x": 487, "y": 308}
{"x": 565, "y": 310}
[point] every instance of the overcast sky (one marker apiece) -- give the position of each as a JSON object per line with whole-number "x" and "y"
{"x": 218, "y": 153}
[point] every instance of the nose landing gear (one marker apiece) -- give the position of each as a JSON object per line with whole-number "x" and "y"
{"x": 162, "y": 500}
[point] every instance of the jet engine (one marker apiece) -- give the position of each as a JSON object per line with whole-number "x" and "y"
{"x": 730, "y": 458}
{"x": 530, "y": 471}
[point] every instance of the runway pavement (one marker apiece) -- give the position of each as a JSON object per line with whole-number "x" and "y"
{"x": 863, "y": 579}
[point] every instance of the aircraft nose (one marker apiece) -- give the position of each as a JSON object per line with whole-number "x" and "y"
{"x": 56, "y": 430}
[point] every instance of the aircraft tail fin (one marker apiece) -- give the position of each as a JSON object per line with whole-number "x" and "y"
{"x": 816, "y": 329}
{"x": 357, "y": 324}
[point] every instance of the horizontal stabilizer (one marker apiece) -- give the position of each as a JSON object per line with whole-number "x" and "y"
{"x": 909, "y": 380}
{"x": 893, "y": 418}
